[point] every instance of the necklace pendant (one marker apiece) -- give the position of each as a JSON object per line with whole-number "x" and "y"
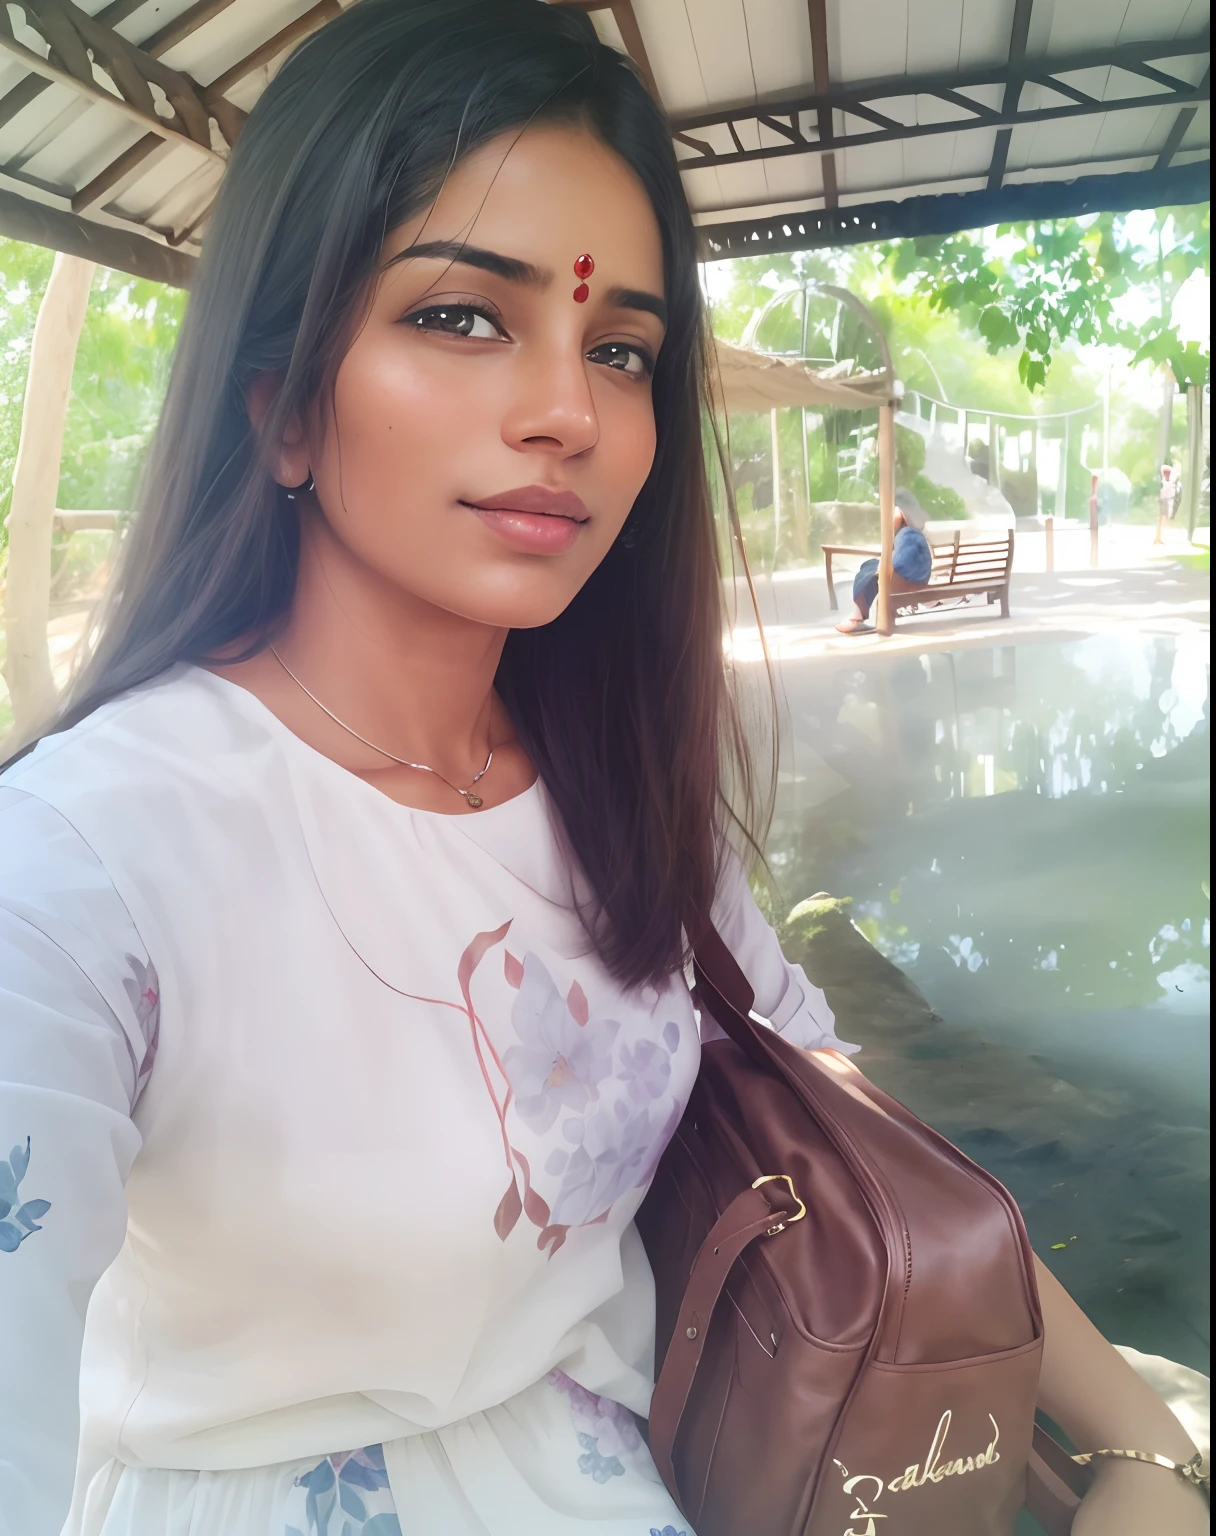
{"x": 475, "y": 801}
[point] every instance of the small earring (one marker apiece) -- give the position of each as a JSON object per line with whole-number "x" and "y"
{"x": 629, "y": 535}
{"x": 297, "y": 490}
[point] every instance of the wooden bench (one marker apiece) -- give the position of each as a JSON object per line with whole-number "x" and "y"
{"x": 971, "y": 568}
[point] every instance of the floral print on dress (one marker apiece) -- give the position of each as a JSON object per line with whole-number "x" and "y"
{"x": 606, "y": 1431}
{"x": 610, "y": 1100}
{"x": 339, "y": 1495}
{"x": 561, "y": 1060}
{"x": 18, "y": 1218}
{"x": 143, "y": 989}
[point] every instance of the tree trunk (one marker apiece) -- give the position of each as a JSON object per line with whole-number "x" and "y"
{"x": 1193, "y": 472}
{"x": 885, "y": 622}
{"x": 27, "y": 667}
{"x": 1167, "y": 414}
{"x": 994, "y": 453}
{"x": 774, "y": 423}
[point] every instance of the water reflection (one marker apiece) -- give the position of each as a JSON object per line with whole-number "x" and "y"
{"x": 1023, "y": 829}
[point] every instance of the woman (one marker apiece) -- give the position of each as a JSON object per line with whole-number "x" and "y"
{"x": 342, "y": 908}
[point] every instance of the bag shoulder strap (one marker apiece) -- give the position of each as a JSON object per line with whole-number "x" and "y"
{"x": 715, "y": 963}
{"x": 749, "y": 1216}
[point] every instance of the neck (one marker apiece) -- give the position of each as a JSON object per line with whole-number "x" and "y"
{"x": 413, "y": 677}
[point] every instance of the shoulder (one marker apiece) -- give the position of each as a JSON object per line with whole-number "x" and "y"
{"x": 909, "y": 535}
{"x": 185, "y": 726}
{"x": 181, "y": 776}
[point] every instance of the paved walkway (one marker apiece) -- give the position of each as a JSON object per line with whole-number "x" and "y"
{"x": 1155, "y": 592}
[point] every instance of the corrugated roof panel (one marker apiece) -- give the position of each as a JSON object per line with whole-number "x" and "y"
{"x": 233, "y": 35}
{"x": 706, "y": 56}
{"x": 935, "y": 35}
{"x": 871, "y": 40}
{"x": 780, "y": 40}
{"x": 723, "y": 50}
{"x": 986, "y": 29}
{"x": 667, "y": 32}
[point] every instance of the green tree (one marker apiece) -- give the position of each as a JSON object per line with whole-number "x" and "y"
{"x": 1044, "y": 283}
{"x": 121, "y": 371}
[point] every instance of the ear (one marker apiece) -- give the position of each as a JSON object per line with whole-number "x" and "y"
{"x": 290, "y": 463}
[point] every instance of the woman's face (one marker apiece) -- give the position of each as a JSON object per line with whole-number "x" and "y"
{"x": 489, "y": 432}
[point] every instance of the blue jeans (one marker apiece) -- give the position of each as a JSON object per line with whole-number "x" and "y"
{"x": 865, "y": 586}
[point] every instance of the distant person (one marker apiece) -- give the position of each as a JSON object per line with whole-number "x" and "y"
{"x": 1167, "y": 499}
{"x": 912, "y": 560}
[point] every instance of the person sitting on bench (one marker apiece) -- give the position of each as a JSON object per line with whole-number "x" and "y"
{"x": 912, "y": 560}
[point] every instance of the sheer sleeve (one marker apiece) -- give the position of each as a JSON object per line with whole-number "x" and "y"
{"x": 785, "y": 997}
{"x": 79, "y": 1012}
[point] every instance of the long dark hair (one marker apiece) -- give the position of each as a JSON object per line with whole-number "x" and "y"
{"x": 623, "y": 701}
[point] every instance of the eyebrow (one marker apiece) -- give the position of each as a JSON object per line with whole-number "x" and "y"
{"x": 516, "y": 271}
{"x": 508, "y": 267}
{"x": 637, "y": 298}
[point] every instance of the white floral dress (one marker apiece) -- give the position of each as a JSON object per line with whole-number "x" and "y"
{"x": 327, "y": 1132}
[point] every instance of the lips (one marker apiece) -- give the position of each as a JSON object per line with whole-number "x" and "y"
{"x": 533, "y": 519}
{"x": 536, "y": 499}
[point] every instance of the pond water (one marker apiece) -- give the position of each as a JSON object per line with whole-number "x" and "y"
{"x": 1024, "y": 831}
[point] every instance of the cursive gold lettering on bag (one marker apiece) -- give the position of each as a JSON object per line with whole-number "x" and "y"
{"x": 933, "y": 1469}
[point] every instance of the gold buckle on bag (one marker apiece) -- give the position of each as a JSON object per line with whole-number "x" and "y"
{"x": 769, "y": 1178}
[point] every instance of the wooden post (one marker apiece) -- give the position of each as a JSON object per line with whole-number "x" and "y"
{"x": 1193, "y": 473}
{"x": 1062, "y": 477}
{"x": 885, "y": 623}
{"x": 27, "y": 668}
{"x": 994, "y": 453}
{"x": 776, "y": 490}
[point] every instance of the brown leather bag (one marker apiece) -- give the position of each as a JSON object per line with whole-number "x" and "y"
{"x": 848, "y": 1326}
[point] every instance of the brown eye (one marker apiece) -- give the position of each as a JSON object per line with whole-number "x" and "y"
{"x": 457, "y": 320}
{"x": 624, "y": 358}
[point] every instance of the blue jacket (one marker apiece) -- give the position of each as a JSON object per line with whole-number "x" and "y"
{"x": 913, "y": 555}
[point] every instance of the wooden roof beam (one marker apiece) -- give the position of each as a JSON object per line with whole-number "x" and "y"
{"x": 213, "y": 95}
{"x": 294, "y": 32}
{"x": 186, "y": 25}
{"x": 76, "y": 42}
{"x": 818, "y": 17}
{"x": 627, "y": 25}
{"x": 1013, "y": 92}
{"x": 125, "y": 251}
{"x": 842, "y": 98}
{"x": 904, "y": 131}
{"x": 1178, "y": 128}
{"x": 33, "y": 86}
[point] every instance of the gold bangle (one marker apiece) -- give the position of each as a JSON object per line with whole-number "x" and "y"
{"x": 1196, "y": 1471}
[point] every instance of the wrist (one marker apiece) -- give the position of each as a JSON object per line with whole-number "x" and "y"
{"x": 1146, "y": 1481}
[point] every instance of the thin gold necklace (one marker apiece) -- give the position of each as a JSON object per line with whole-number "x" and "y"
{"x": 474, "y": 801}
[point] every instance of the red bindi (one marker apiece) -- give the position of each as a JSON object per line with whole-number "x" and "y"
{"x": 583, "y": 268}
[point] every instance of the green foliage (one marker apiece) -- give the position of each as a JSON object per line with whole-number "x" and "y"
{"x": 1061, "y": 280}
{"x": 909, "y": 456}
{"x": 118, "y": 383}
{"x": 939, "y": 501}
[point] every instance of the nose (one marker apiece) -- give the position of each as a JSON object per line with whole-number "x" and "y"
{"x": 551, "y": 410}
